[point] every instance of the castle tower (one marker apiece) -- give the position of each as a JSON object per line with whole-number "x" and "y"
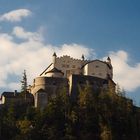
{"x": 110, "y": 74}
{"x": 83, "y": 58}
{"x": 109, "y": 60}
{"x": 54, "y": 59}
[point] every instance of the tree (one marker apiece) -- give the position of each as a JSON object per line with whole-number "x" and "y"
{"x": 24, "y": 82}
{"x": 88, "y": 114}
{"x": 9, "y": 129}
{"x": 25, "y": 127}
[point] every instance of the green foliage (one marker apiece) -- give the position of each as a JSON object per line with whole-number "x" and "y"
{"x": 24, "y": 82}
{"x": 98, "y": 115}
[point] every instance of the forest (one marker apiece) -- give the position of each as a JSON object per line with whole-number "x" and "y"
{"x": 94, "y": 115}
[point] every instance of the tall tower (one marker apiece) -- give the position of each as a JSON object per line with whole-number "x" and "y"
{"x": 111, "y": 68}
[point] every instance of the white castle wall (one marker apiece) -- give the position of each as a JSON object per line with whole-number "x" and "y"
{"x": 70, "y": 66}
{"x": 98, "y": 69}
{"x": 67, "y": 65}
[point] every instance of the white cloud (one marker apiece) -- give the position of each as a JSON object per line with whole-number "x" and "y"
{"x": 19, "y": 32}
{"x": 76, "y": 50}
{"x": 15, "y": 15}
{"x": 34, "y": 55}
{"x": 14, "y": 85}
{"x": 127, "y": 76}
{"x": 30, "y": 54}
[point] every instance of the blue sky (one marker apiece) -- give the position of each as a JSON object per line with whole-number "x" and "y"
{"x": 101, "y": 27}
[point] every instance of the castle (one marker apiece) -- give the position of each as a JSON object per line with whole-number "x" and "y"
{"x": 69, "y": 73}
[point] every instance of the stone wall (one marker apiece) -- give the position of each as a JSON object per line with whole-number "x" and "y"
{"x": 80, "y": 81}
{"x": 47, "y": 87}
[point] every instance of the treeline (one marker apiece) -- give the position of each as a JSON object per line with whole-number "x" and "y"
{"x": 95, "y": 115}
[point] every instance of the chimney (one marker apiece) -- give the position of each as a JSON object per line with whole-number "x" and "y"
{"x": 15, "y": 92}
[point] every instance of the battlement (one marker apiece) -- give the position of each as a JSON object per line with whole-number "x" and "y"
{"x": 70, "y": 58}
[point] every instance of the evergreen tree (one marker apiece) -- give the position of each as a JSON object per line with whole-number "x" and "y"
{"x": 24, "y": 82}
{"x": 98, "y": 115}
{"x": 88, "y": 114}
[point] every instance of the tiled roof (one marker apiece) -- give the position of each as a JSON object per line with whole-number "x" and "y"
{"x": 13, "y": 94}
{"x": 99, "y": 61}
{"x": 10, "y": 94}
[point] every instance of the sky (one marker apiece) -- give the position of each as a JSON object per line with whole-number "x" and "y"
{"x": 31, "y": 30}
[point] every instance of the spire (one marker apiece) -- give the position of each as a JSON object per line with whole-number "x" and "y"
{"x": 108, "y": 60}
{"x": 83, "y": 58}
{"x": 54, "y": 54}
{"x": 54, "y": 59}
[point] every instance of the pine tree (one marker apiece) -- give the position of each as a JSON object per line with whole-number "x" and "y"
{"x": 24, "y": 82}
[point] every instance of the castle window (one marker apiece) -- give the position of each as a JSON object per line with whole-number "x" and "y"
{"x": 68, "y": 71}
{"x": 67, "y": 66}
{"x": 73, "y": 66}
{"x": 92, "y": 83}
{"x": 97, "y": 66}
{"x": 54, "y": 83}
{"x": 63, "y": 65}
{"x": 80, "y": 82}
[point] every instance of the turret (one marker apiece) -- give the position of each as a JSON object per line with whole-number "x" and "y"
{"x": 83, "y": 58}
{"x": 54, "y": 59}
{"x": 111, "y": 68}
{"x": 109, "y": 60}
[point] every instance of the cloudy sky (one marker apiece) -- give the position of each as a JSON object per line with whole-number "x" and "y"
{"x": 30, "y": 31}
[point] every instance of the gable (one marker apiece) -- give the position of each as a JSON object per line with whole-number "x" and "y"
{"x": 47, "y": 69}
